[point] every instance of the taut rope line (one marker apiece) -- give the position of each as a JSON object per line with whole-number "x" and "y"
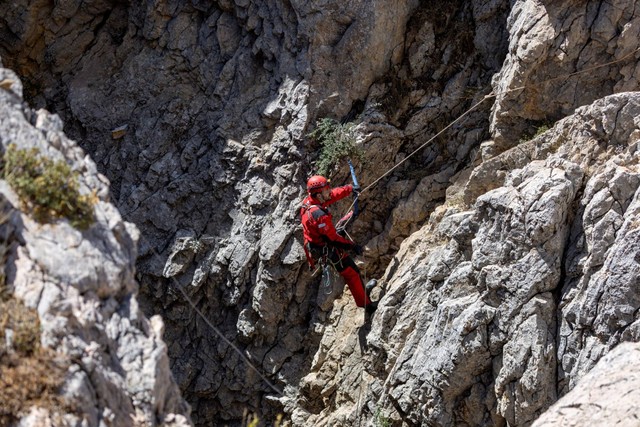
{"x": 493, "y": 95}
{"x": 244, "y": 358}
{"x": 575, "y": 73}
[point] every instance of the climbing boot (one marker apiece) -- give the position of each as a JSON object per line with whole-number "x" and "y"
{"x": 369, "y": 286}
{"x": 371, "y": 307}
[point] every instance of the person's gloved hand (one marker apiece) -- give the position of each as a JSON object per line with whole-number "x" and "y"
{"x": 357, "y": 249}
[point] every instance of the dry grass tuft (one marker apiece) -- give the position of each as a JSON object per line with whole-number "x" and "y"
{"x": 29, "y": 381}
{"x": 29, "y": 374}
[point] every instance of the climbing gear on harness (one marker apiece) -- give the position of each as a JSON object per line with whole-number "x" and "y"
{"x": 344, "y": 265}
{"x": 323, "y": 243}
{"x": 328, "y": 277}
{"x": 317, "y": 223}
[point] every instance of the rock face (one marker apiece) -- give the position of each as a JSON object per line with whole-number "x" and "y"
{"x": 551, "y": 40}
{"x": 82, "y": 286}
{"x": 503, "y": 301}
{"x": 599, "y": 397}
{"x": 509, "y": 261}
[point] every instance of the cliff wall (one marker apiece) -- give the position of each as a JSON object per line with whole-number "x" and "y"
{"x": 80, "y": 283}
{"x": 507, "y": 255}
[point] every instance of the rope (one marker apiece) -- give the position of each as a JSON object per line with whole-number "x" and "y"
{"x": 359, "y": 405}
{"x": 235, "y": 348}
{"x": 476, "y": 105}
{"x": 359, "y": 399}
{"x": 575, "y": 73}
{"x": 229, "y": 343}
{"x": 491, "y": 95}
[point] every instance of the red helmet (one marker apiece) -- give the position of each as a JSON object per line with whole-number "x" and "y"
{"x": 316, "y": 183}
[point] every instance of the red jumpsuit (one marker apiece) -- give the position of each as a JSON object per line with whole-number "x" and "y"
{"x": 322, "y": 240}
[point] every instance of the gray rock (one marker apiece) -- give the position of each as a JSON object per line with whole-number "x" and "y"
{"x": 607, "y": 395}
{"x": 82, "y": 285}
{"x": 548, "y": 44}
{"x": 218, "y": 100}
{"x": 466, "y": 331}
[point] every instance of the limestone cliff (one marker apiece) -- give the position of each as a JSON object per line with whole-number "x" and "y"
{"x": 81, "y": 283}
{"x": 600, "y": 396}
{"x": 508, "y": 255}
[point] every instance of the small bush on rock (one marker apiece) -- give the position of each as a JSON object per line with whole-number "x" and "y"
{"x": 528, "y": 136}
{"x": 48, "y": 188}
{"x": 338, "y": 141}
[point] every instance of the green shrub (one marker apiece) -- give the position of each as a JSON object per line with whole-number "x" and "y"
{"x": 48, "y": 188}
{"x": 250, "y": 419}
{"x": 338, "y": 141}
{"x": 528, "y": 136}
{"x": 541, "y": 129}
{"x": 379, "y": 420}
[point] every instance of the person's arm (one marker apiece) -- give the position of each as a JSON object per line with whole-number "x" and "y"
{"x": 339, "y": 193}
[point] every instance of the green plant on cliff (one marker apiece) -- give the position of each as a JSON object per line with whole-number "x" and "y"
{"x": 48, "y": 188}
{"x": 379, "y": 420}
{"x": 528, "y": 136}
{"x": 337, "y": 141}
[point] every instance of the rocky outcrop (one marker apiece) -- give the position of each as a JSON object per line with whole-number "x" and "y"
{"x": 198, "y": 113}
{"x": 481, "y": 305}
{"x": 82, "y": 285}
{"x": 210, "y": 101}
{"x": 605, "y": 396}
{"x": 471, "y": 330}
{"x": 550, "y": 41}
{"x": 506, "y": 258}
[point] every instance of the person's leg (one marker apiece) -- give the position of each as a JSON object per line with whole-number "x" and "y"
{"x": 349, "y": 271}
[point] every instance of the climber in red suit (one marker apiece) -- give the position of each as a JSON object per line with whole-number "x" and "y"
{"x": 322, "y": 241}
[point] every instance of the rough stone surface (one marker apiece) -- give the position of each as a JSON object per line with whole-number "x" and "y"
{"x": 606, "y": 396}
{"x": 215, "y": 100}
{"x": 508, "y": 254}
{"x": 481, "y": 307}
{"x": 548, "y": 42}
{"x": 82, "y": 286}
